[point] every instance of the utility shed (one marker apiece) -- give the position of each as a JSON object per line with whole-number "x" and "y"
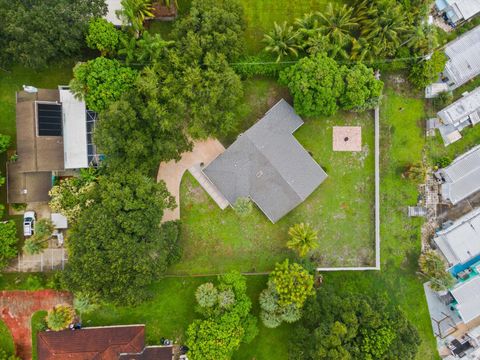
{"x": 268, "y": 165}
{"x": 463, "y": 59}
{"x": 462, "y": 177}
{"x": 458, "y": 115}
{"x": 467, "y": 296}
{"x": 460, "y": 242}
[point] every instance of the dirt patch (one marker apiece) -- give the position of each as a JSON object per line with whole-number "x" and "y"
{"x": 17, "y": 308}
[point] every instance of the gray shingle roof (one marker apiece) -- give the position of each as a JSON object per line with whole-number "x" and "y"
{"x": 267, "y": 164}
{"x": 464, "y": 58}
{"x": 461, "y": 177}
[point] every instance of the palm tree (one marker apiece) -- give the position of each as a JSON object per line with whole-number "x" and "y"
{"x": 33, "y": 246}
{"x": 338, "y": 23}
{"x": 385, "y": 28}
{"x": 321, "y": 44}
{"x": 307, "y": 26}
{"x": 302, "y": 238}
{"x": 282, "y": 41}
{"x": 151, "y": 47}
{"x": 134, "y": 13}
{"x": 127, "y": 49}
{"x": 363, "y": 50}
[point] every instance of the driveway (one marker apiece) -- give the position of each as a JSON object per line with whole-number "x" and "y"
{"x": 17, "y": 308}
{"x": 172, "y": 172}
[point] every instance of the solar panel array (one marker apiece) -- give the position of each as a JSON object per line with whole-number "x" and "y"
{"x": 91, "y": 148}
{"x": 49, "y": 119}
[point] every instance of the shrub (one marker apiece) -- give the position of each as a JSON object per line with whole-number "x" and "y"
{"x": 206, "y": 295}
{"x": 243, "y": 206}
{"x": 257, "y": 65}
{"x": 60, "y": 317}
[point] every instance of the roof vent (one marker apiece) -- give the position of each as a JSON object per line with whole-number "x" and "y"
{"x": 259, "y": 174}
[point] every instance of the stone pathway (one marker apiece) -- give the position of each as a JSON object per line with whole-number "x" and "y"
{"x": 172, "y": 172}
{"x": 17, "y": 308}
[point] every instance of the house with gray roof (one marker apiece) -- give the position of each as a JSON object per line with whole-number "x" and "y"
{"x": 268, "y": 165}
{"x": 463, "y": 59}
{"x": 460, "y": 242}
{"x": 458, "y": 115}
{"x": 457, "y": 11}
{"x": 461, "y": 178}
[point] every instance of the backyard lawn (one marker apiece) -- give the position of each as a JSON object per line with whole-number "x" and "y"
{"x": 253, "y": 244}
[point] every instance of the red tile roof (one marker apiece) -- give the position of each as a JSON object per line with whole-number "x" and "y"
{"x": 151, "y": 353}
{"x": 99, "y": 343}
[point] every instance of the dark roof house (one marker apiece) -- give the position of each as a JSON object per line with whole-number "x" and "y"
{"x": 99, "y": 343}
{"x": 268, "y": 165}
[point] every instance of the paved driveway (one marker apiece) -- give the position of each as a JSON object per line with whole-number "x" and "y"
{"x": 172, "y": 172}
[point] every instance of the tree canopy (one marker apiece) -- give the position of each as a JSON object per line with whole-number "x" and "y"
{"x": 101, "y": 81}
{"x": 103, "y": 36}
{"x": 227, "y": 320}
{"x": 288, "y": 287}
{"x": 117, "y": 247}
{"x": 353, "y": 326}
{"x": 37, "y": 32}
{"x": 212, "y": 26}
{"x": 320, "y": 86}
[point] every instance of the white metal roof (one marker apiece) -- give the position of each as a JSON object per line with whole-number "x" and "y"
{"x": 59, "y": 221}
{"x": 113, "y": 6}
{"x": 462, "y": 176}
{"x": 74, "y": 130}
{"x": 467, "y": 8}
{"x": 467, "y": 295}
{"x": 464, "y": 58}
{"x": 460, "y": 110}
{"x": 461, "y": 241}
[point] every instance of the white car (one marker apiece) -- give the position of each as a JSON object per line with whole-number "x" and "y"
{"x": 29, "y": 223}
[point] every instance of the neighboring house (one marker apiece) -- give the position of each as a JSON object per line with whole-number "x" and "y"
{"x": 457, "y": 11}
{"x": 125, "y": 342}
{"x": 467, "y": 298}
{"x": 54, "y": 139}
{"x": 462, "y": 177}
{"x": 268, "y": 165}
{"x": 460, "y": 242}
{"x": 457, "y": 116}
{"x": 113, "y": 7}
{"x": 463, "y": 59}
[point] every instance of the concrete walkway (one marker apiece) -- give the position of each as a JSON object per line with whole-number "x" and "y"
{"x": 172, "y": 172}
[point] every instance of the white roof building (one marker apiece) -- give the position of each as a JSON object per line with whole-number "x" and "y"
{"x": 74, "y": 130}
{"x": 467, "y": 295}
{"x": 460, "y": 242}
{"x": 462, "y": 177}
{"x": 113, "y": 6}
{"x": 459, "y": 10}
{"x": 463, "y": 59}
{"x": 457, "y": 116}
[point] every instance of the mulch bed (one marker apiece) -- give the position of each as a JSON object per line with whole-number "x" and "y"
{"x": 17, "y": 308}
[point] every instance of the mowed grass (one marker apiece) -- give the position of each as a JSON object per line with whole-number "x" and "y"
{"x": 215, "y": 241}
{"x": 6, "y": 341}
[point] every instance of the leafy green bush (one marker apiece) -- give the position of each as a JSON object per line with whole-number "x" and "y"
{"x": 257, "y": 65}
{"x": 243, "y": 206}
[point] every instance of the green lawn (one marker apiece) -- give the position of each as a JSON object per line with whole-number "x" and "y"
{"x": 37, "y": 324}
{"x": 253, "y": 244}
{"x": 6, "y": 341}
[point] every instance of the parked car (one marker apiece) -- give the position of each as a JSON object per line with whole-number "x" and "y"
{"x": 29, "y": 223}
